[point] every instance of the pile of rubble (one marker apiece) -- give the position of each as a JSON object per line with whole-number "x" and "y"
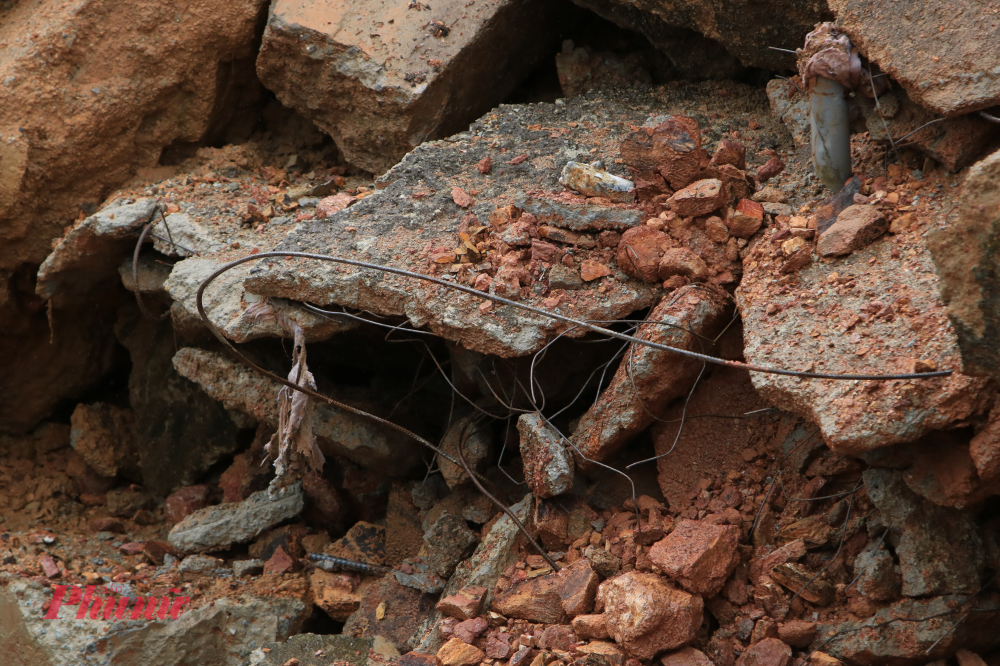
{"x": 590, "y": 501}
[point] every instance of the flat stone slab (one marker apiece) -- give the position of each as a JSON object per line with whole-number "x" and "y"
{"x": 218, "y": 527}
{"x": 413, "y": 218}
{"x": 875, "y": 311}
{"x": 944, "y": 54}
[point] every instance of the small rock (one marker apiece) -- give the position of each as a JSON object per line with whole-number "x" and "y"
{"x": 563, "y": 277}
{"x": 548, "y": 465}
{"x": 793, "y": 245}
{"x": 578, "y": 588}
{"x": 686, "y": 657}
{"x": 730, "y": 152}
{"x": 469, "y": 630}
{"x": 717, "y": 229}
{"x": 796, "y": 579}
{"x": 218, "y": 527}
{"x": 682, "y": 261}
{"x": 768, "y": 652}
{"x": 592, "y": 182}
{"x": 777, "y": 209}
{"x": 646, "y": 616}
{"x": 770, "y": 194}
{"x": 106, "y": 524}
{"x": 280, "y": 562}
{"x": 461, "y": 199}
{"x": 640, "y": 251}
{"x": 447, "y": 541}
{"x": 243, "y": 568}
{"x": 484, "y": 165}
{"x": 49, "y": 566}
{"x": 590, "y": 626}
{"x": 457, "y": 653}
{"x": 498, "y": 646}
{"x": 535, "y": 600}
{"x": 604, "y": 563}
{"x": 124, "y": 502}
{"x": 465, "y": 604}
{"x": 699, "y": 198}
{"x": 770, "y": 169}
{"x": 877, "y": 577}
{"x": 797, "y": 633}
{"x": 196, "y": 566}
{"x": 746, "y": 218}
{"x": 185, "y": 501}
{"x": 671, "y": 150}
{"x": 591, "y": 270}
{"x": 557, "y": 637}
{"x": 856, "y": 227}
{"x": 698, "y": 555}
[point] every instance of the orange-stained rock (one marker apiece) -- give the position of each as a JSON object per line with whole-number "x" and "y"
{"x": 686, "y": 657}
{"x": 700, "y": 198}
{"x": 578, "y": 588}
{"x": 640, "y": 251}
{"x": 464, "y": 604}
{"x": 457, "y": 653}
{"x": 698, "y": 555}
{"x": 535, "y": 600}
{"x": 335, "y": 594}
{"x": 645, "y": 615}
{"x": 856, "y": 227}
{"x": 682, "y": 261}
{"x": 590, "y": 626}
{"x": 797, "y": 633}
{"x": 591, "y": 270}
{"x": 672, "y": 149}
{"x": 768, "y": 652}
{"x": 746, "y": 218}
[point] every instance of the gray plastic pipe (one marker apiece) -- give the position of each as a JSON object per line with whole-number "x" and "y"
{"x": 831, "y": 133}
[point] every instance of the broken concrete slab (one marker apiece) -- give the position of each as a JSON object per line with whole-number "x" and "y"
{"x": 230, "y": 306}
{"x": 381, "y": 82}
{"x": 339, "y": 432}
{"x": 911, "y": 631}
{"x": 940, "y": 550}
{"x": 939, "y": 53}
{"x": 412, "y": 222}
{"x": 90, "y": 252}
{"x": 744, "y": 28}
{"x": 648, "y": 379}
{"x": 218, "y": 527}
{"x": 965, "y": 255}
{"x": 841, "y": 322}
{"x": 224, "y": 632}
